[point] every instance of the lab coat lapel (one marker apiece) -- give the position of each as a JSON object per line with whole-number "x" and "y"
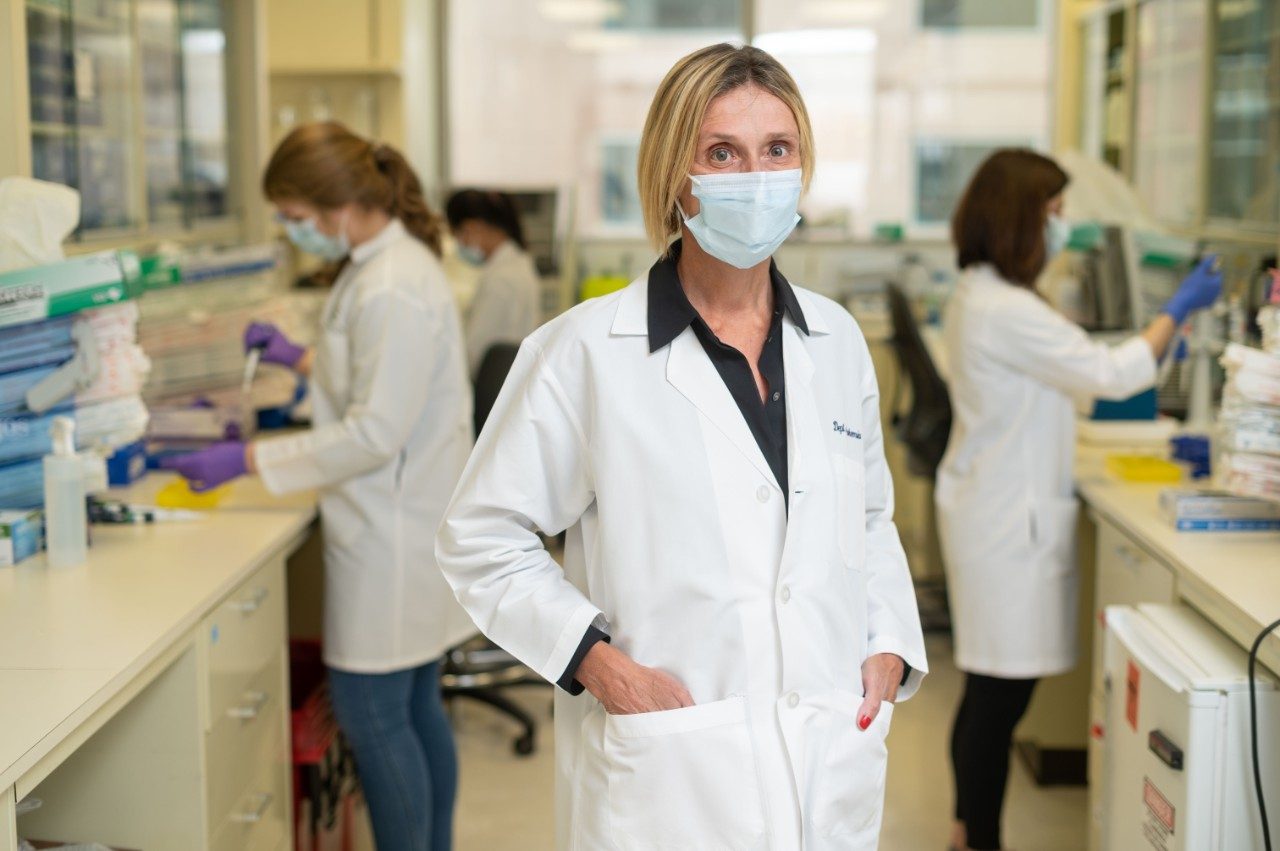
{"x": 805, "y": 445}
{"x": 690, "y": 371}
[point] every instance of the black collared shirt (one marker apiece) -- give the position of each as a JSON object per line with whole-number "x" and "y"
{"x": 670, "y": 313}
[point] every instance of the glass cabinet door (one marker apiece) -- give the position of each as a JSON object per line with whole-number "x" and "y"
{"x": 158, "y": 37}
{"x": 81, "y": 55}
{"x": 1168, "y": 107}
{"x": 204, "y": 90}
{"x": 1244, "y": 159}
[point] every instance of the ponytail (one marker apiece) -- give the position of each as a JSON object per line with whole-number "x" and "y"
{"x": 326, "y": 165}
{"x": 407, "y": 201}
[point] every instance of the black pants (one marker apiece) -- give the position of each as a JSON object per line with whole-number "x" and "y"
{"x": 980, "y": 741}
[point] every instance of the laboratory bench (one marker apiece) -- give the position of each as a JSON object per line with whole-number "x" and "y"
{"x": 144, "y": 694}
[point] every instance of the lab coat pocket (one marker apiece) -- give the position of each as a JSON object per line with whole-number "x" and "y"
{"x": 851, "y": 509}
{"x": 683, "y": 778}
{"x": 1053, "y": 536}
{"x": 849, "y": 796}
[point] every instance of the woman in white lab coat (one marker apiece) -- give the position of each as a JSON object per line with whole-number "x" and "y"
{"x": 734, "y": 594}
{"x": 486, "y": 226}
{"x": 1006, "y": 509}
{"x": 392, "y": 431}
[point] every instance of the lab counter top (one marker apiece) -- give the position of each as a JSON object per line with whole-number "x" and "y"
{"x": 1232, "y": 578}
{"x": 71, "y": 638}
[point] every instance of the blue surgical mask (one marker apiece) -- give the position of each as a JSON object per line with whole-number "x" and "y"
{"x": 744, "y": 216}
{"x": 307, "y": 237}
{"x": 1057, "y": 233}
{"x": 470, "y": 254}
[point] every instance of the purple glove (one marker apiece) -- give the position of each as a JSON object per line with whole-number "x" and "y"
{"x": 1198, "y": 290}
{"x": 208, "y": 468}
{"x": 275, "y": 346}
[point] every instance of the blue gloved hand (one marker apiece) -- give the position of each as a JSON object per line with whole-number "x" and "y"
{"x": 275, "y": 346}
{"x": 1198, "y": 290}
{"x": 208, "y": 468}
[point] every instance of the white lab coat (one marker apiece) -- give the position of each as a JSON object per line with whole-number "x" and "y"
{"x": 680, "y": 543}
{"x": 1005, "y": 494}
{"x": 392, "y": 431}
{"x": 505, "y": 308}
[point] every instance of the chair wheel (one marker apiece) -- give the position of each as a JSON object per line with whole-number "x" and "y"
{"x": 524, "y": 745}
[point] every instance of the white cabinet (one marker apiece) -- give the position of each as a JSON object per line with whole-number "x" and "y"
{"x": 199, "y": 758}
{"x": 1126, "y": 575}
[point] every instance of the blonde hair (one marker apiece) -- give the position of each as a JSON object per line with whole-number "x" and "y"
{"x": 670, "y": 135}
{"x": 325, "y": 164}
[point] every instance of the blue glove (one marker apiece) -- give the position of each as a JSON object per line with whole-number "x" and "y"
{"x": 208, "y": 468}
{"x": 1198, "y": 290}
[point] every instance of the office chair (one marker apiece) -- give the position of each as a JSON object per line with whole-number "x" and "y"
{"x": 927, "y": 426}
{"x": 478, "y": 669}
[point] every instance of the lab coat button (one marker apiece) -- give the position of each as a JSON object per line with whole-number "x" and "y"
{"x": 762, "y": 493}
{"x": 793, "y": 700}
{"x": 786, "y": 593}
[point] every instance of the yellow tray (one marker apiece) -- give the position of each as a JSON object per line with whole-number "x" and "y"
{"x": 178, "y": 494}
{"x": 1144, "y": 468}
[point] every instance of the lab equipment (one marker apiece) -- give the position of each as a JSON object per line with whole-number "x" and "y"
{"x": 1248, "y": 428}
{"x": 1207, "y": 509}
{"x": 36, "y": 216}
{"x": 127, "y": 464}
{"x": 1143, "y": 468}
{"x": 179, "y": 495}
{"x": 92, "y": 280}
{"x": 64, "y": 498}
{"x": 251, "y": 361}
{"x": 22, "y": 484}
{"x": 1177, "y": 768}
{"x": 36, "y": 344}
{"x": 20, "y": 534}
{"x": 110, "y": 512}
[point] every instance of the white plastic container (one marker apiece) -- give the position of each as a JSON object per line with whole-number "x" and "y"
{"x": 66, "y": 519}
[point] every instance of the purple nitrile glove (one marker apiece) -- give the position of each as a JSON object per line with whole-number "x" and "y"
{"x": 208, "y": 468}
{"x": 1198, "y": 290}
{"x": 275, "y": 346}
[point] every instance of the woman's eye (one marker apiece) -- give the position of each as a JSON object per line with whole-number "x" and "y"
{"x": 777, "y": 152}
{"x": 720, "y": 155}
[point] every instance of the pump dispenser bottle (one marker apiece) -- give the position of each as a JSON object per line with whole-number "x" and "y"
{"x": 65, "y": 516}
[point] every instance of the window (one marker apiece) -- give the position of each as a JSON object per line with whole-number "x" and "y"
{"x": 943, "y": 169}
{"x": 549, "y": 93}
{"x": 983, "y": 14}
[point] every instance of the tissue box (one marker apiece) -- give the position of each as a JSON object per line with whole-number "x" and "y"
{"x": 20, "y": 534}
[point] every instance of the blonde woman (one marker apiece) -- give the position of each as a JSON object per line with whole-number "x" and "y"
{"x": 734, "y": 597}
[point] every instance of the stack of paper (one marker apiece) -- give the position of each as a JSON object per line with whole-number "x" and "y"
{"x": 1248, "y": 434}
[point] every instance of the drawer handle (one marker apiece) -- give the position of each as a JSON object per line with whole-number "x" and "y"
{"x": 1128, "y": 556}
{"x": 252, "y": 603}
{"x": 262, "y": 803}
{"x": 252, "y": 707}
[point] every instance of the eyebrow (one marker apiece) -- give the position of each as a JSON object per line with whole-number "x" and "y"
{"x": 726, "y": 137}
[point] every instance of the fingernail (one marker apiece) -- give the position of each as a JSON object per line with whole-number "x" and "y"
{"x": 864, "y": 722}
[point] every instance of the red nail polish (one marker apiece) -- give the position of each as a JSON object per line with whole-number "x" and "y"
{"x": 864, "y": 722}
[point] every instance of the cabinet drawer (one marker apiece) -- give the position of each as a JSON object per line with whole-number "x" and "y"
{"x": 243, "y": 635}
{"x": 246, "y": 737}
{"x": 1127, "y": 575}
{"x": 258, "y": 820}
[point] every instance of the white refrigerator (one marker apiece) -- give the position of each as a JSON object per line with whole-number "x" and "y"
{"x": 1177, "y": 769}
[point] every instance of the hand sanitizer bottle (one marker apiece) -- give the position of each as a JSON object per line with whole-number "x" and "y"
{"x": 65, "y": 516}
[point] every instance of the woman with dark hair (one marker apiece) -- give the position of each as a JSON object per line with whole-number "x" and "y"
{"x": 1006, "y": 510}
{"x": 487, "y": 228}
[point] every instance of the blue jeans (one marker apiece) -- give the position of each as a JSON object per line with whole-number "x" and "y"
{"x": 404, "y": 751}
